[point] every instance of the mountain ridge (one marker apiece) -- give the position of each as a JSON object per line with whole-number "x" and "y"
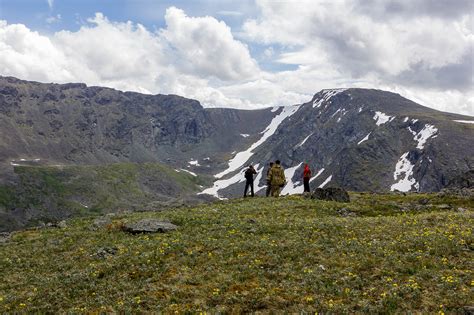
{"x": 359, "y": 139}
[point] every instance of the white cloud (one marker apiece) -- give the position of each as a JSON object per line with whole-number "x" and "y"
{"x": 423, "y": 54}
{"x": 425, "y": 57}
{"x": 207, "y": 47}
{"x": 181, "y": 59}
{"x": 50, "y": 3}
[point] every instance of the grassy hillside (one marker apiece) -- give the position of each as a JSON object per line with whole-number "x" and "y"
{"x": 391, "y": 254}
{"x": 51, "y": 193}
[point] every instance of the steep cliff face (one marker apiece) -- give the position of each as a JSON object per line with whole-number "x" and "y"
{"x": 76, "y": 124}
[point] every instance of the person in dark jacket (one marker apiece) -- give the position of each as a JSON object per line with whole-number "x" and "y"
{"x": 306, "y": 177}
{"x": 249, "y": 180}
{"x": 269, "y": 186}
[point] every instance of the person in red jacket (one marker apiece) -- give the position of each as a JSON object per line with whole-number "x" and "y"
{"x": 306, "y": 177}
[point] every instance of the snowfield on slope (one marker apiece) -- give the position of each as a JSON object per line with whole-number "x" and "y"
{"x": 404, "y": 174}
{"x": 365, "y": 139}
{"x": 242, "y": 157}
{"x": 428, "y": 131}
{"x": 326, "y": 96}
{"x": 465, "y": 121}
{"x": 290, "y": 187}
{"x": 382, "y": 118}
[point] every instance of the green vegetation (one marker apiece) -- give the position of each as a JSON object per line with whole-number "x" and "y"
{"x": 260, "y": 254}
{"x": 48, "y": 191}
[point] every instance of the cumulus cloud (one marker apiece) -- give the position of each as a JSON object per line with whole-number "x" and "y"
{"x": 420, "y": 51}
{"x": 417, "y": 45}
{"x": 207, "y": 46}
{"x": 182, "y": 58}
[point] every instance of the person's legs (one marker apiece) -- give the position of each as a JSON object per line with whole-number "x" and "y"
{"x": 269, "y": 190}
{"x": 306, "y": 184}
{"x": 251, "y": 188}
{"x": 275, "y": 191}
{"x": 246, "y": 188}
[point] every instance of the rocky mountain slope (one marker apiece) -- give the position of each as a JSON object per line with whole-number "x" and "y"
{"x": 360, "y": 139}
{"x": 363, "y": 140}
{"x": 74, "y": 124}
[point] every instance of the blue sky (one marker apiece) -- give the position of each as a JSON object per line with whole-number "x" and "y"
{"x": 246, "y": 54}
{"x": 34, "y": 13}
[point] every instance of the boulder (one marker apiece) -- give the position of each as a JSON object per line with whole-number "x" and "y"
{"x": 331, "y": 194}
{"x": 469, "y": 310}
{"x": 149, "y": 226}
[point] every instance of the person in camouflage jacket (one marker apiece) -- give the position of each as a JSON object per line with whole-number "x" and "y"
{"x": 276, "y": 178}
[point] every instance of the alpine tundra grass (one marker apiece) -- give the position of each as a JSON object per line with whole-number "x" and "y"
{"x": 389, "y": 253}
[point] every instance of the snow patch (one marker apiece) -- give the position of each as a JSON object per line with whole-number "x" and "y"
{"x": 360, "y": 109}
{"x": 365, "y": 139}
{"x": 326, "y": 181}
{"x": 406, "y": 119}
{"x": 427, "y": 132}
{"x": 194, "y": 162}
{"x": 224, "y": 183}
{"x": 337, "y": 111}
{"x": 414, "y": 121}
{"x": 382, "y": 118}
{"x": 404, "y": 174}
{"x": 290, "y": 187}
{"x": 274, "y": 109}
{"x": 304, "y": 140}
{"x": 465, "y": 121}
{"x": 245, "y": 135}
{"x": 240, "y": 158}
{"x": 326, "y": 96}
{"x": 207, "y": 159}
{"x": 317, "y": 175}
{"x": 257, "y": 179}
{"x": 192, "y": 173}
{"x": 411, "y": 131}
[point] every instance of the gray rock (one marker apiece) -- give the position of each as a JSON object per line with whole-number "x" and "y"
{"x": 345, "y": 212}
{"x": 331, "y": 194}
{"x": 444, "y": 207}
{"x": 423, "y": 201}
{"x": 104, "y": 252}
{"x": 461, "y": 209}
{"x": 101, "y": 222}
{"x": 468, "y": 310}
{"x": 62, "y": 224}
{"x": 4, "y": 237}
{"x": 149, "y": 226}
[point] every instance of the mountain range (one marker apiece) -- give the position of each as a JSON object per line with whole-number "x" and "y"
{"x": 358, "y": 139}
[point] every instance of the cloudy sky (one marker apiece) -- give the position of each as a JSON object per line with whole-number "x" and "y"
{"x": 247, "y": 53}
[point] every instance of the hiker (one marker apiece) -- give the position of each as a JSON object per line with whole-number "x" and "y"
{"x": 306, "y": 178}
{"x": 269, "y": 186}
{"x": 276, "y": 177}
{"x": 249, "y": 180}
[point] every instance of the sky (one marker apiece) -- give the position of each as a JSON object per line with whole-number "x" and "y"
{"x": 249, "y": 53}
